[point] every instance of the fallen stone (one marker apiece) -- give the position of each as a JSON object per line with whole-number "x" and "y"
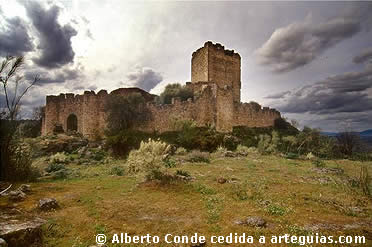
{"x": 17, "y": 196}
{"x": 20, "y": 230}
{"x": 48, "y": 204}
{"x": 25, "y": 188}
{"x": 253, "y": 221}
{"x": 221, "y": 180}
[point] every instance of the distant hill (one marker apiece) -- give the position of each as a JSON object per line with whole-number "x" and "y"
{"x": 365, "y": 136}
{"x": 362, "y": 133}
{"x": 366, "y": 133}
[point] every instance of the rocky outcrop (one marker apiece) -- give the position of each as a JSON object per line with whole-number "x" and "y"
{"x": 48, "y": 204}
{"x": 20, "y": 230}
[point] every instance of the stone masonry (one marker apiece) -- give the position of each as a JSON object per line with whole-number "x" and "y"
{"x": 215, "y": 81}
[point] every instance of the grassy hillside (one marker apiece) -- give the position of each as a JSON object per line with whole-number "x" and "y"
{"x": 297, "y": 197}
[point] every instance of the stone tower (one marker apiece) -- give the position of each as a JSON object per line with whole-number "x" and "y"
{"x": 212, "y": 63}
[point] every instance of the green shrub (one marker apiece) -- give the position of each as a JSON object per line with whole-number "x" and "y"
{"x": 364, "y": 180}
{"x": 198, "y": 157}
{"x": 319, "y": 163}
{"x": 191, "y": 137}
{"x": 183, "y": 173}
{"x": 98, "y": 155}
{"x": 125, "y": 141}
{"x": 291, "y": 156}
{"x": 181, "y": 151}
{"x": 59, "y": 158}
{"x": 175, "y": 90}
{"x": 170, "y": 163}
{"x": 275, "y": 209}
{"x": 148, "y": 160}
{"x": 240, "y": 192}
{"x": 242, "y": 150}
{"x": 20, "y": 161}
{"x": 125, "y": 112}
{"x": 230, "y": 142}
{"x": 263, "y": 143}
{"x": 117, "y": 170}
{"x": 204, "y": 190}
{"x": 61, "y": 174}
{"x": 53, "y": 167}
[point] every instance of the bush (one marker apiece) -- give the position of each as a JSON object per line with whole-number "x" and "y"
{"x": 53, "y": 167}
{"x": 263, "y": 143}
{"x": 117, "y": 170}
{"x": 242, "y": 150}
{"x": 230, "y": 142}
{"x": 125, "y": 112}
{"x": 318, "y": 163}
{"x": 149, "y": 159}
{"x": 60, "y": 158}
{"x": 275, "y": 209}
{"x": 61, "y": 174}
{"x": 240, "y": 192}
{"x": 98, "y": 155}
{"x": 169, "y": 163}
{"x": 198, "y": 157}
{"x": 220, "y": 152}
{"x": 183, "y": 173}
{"x": 175, "y": 90}
{"x": 125, "y": 141}
{"x": 364, "y": 180}
{"x": 291, "y": 156}
{"x": 181, "y": 151}
{"x": 191, "y": 137}
{"x": 20, "y": 160}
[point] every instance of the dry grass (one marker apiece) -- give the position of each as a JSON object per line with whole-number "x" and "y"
{"x": 290, "y": 194}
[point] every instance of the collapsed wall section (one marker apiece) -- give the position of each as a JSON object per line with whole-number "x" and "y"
{"x": 165, "y": 117}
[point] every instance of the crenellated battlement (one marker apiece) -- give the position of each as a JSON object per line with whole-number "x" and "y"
{"x": 217, "y": 47}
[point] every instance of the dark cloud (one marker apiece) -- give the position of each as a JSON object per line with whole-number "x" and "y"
{"x": 14, "y": 38}
{"x": 300, "y": 43}
{"x": 58, "y": 76}
{"x": 54, "y": 39}
{"x": 345, "y": 93}
{"x": 145, "y": 78}
{"x": 365, "y": 56}
{"x": 277, "y": 95}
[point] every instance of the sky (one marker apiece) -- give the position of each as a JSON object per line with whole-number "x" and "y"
{"x": 312, "y": 61}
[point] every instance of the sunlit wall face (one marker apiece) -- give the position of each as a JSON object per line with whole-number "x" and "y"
{"x": 310, "y": 60}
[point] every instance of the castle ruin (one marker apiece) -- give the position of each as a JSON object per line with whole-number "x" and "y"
{"x": 215, "y": 81}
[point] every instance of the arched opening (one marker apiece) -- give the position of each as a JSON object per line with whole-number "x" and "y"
{"x": 72, "y": 124}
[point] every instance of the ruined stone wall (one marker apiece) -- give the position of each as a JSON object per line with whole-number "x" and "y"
{"x": 201, "y": 110}
{"x": 253, "y": 115}
{"x": 215, "y": 81}
{"x": 88, "y": 108}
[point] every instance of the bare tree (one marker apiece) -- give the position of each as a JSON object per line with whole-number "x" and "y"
{"x": 348, "y": 142}
{"x": 13, "y": 93}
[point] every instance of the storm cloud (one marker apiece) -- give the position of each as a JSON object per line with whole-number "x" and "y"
{"x": 300, "y": 43}
{"x": 344, "y": 93}
{"x": 144, "y": 78}
{"x": 14, "y": 37}
{"x": 54, "y": 39}
{"x": 365, "y": 56}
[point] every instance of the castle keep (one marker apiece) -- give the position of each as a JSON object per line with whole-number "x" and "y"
{"x": 215, "y": 81}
